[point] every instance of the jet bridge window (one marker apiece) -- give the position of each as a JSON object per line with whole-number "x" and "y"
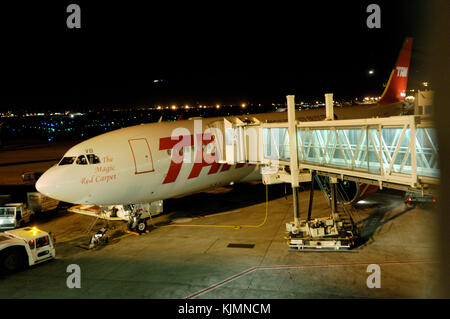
{"x": 67, "y": 160}
{"x": 81, "y": 160}
{"x": 93, "y": 159}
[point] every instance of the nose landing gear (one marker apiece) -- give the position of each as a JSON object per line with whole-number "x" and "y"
{"x": 137, "y": 223}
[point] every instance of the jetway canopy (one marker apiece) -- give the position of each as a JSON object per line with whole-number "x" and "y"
{"x": 400, "y": 150}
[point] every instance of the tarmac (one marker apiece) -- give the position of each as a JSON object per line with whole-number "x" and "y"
{"x": 18, "y": 158}
{"x": 176, "y": 260}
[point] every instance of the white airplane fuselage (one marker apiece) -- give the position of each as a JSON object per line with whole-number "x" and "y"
{"x": 136, "y": 166}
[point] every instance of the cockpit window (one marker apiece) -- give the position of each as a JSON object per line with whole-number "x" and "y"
{"x": 67, "y": 160}
{"x": 93, "y": 159}
{"x": 81, "y": 160}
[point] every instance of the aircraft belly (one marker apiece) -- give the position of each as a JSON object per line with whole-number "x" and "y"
{"x": 185, "y": 185}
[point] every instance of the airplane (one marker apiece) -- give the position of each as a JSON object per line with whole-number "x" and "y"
{"x": 125, "y": 170}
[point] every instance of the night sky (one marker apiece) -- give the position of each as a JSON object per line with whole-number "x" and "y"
{"x": 204, "y": 52}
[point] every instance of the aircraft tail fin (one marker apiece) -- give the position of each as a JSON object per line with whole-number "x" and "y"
{"x": 395, "y": 90}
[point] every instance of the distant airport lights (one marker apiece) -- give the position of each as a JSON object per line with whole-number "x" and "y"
{"x": 370, "y": 99}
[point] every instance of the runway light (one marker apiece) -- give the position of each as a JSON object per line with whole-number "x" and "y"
{"x": 243, "y": 105}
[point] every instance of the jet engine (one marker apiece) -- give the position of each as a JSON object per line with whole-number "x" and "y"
{"x": 348, "y": 192}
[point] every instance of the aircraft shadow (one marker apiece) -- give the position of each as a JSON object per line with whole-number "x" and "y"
{"x": 370, "y": 225}
{"x": 225, "y": 199}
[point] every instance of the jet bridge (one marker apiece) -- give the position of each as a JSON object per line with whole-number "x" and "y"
{"x": 398, "y": 152}
{"x": 395, "y": 152}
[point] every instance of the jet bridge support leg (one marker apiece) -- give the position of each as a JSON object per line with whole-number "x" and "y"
{"x": 320, "y": 234}
{"x": 333, "y": 183}
{"x": 311, "y": 195}
{"x": 296, "y": 206}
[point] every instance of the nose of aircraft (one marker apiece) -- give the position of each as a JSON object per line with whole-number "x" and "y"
{"x": 46, "y": 184}
{"x": 62, "y": 183}
{"x": 57, "y": 183}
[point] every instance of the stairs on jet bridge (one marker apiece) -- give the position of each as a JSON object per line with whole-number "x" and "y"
{"x": 345, "y": 215}
{"x": 344, "y": 212}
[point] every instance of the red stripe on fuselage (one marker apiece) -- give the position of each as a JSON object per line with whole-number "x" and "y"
{"x": 177, "y": 146}
{"x": 201, "y": 159}
{"x": 225, "y": 167}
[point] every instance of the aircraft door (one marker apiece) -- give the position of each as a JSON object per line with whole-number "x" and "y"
{"x": 142, "y": 156}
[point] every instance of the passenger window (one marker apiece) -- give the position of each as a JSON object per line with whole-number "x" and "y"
{"x": 41, "y": 242}
{"x": 81, "y": 160}
{"x": 93, "y": 159}
{"x": 67, "y": 160}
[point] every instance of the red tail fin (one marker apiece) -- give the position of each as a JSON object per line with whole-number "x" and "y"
{"x": 395, "y": 90}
